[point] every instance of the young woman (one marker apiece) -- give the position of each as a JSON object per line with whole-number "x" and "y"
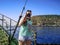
{"x": 25, "y": 32}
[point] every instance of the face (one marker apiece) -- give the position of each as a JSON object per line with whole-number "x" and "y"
{"x": 28, "y": 15}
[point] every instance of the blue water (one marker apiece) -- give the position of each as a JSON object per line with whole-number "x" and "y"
{"x": 46, "y": 35}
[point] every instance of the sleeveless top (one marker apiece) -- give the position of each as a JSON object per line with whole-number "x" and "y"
{"x": 25, "y": 29}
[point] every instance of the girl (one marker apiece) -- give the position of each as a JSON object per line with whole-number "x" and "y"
{"x": 25, "y": 32}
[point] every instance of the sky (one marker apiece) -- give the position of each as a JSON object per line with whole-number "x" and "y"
{"x": 13, "y": 8}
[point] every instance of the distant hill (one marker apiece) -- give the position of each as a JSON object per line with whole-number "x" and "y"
{"x": 46, "y": 20}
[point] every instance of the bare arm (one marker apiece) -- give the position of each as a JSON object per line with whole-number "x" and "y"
{"x": 22, "y": 20}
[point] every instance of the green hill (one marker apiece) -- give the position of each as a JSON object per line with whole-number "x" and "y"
{"x": 46, "y": 20}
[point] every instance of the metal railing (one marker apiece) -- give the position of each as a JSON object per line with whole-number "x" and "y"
{"x": 8, "y": 24}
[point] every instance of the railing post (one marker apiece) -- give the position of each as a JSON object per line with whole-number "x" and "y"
{"x": 10, "y": 34}
{"x": 2, "y": 20}
{"x": 35, "y": 38}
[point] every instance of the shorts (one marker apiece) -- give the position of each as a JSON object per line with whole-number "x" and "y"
{"x": 24, "y": 38}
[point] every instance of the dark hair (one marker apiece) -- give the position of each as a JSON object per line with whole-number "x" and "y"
{"x": 28, "y": 10}
{"x": 29, "y": 13}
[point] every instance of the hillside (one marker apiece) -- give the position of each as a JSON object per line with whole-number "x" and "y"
{"x": 46, "y": 20}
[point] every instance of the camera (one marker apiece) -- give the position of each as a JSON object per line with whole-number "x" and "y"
{"x": 28, "y": 15}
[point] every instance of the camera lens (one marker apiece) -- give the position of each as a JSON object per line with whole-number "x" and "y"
{"x": 28, "y": 15}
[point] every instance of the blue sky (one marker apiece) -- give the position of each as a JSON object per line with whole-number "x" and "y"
{"x": 12, "y": 8}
